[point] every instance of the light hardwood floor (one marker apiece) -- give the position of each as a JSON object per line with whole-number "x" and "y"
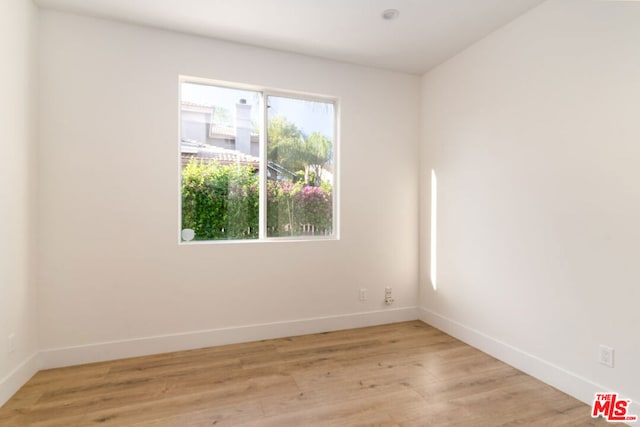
{"x": 405, "y": 374}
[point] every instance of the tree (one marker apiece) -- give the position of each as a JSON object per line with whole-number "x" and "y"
{"x": 289, "y": 147}
{"x": 283, "y": 140}
{"x": 317, "y": 149}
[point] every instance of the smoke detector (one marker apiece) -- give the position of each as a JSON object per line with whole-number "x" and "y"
{"x": 390, "y": 14}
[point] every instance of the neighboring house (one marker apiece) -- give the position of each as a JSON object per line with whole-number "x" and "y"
{"x": 201, "y": 137}
{"x": 196, "y": 150}
{"x": 200, "y": 123}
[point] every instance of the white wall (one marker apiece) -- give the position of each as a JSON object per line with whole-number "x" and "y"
{"x": 18, "y": 21}
{"x": 110, "y": 268}
{"x": 534, "y": 134}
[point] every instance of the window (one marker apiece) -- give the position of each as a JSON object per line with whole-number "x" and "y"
{"x": 256, "y": 164}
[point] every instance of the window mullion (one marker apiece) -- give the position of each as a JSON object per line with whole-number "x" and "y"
{"x": 262, "y": 199}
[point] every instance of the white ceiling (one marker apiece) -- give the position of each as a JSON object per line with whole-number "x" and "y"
{"x": 426, "y": 32}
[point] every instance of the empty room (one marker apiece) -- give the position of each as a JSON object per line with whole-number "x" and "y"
{"x": 331, "y": 213}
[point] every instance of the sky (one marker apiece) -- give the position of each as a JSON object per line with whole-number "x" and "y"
{"x": 309, "y": 116}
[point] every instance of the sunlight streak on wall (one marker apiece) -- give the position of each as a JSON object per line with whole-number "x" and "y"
{"x": 434, "y": 210}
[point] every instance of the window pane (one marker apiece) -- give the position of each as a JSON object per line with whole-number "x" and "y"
{"x": 219, "y": 150}
{"x": 300, "y": 167}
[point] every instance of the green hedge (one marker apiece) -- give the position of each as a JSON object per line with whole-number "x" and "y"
{"x": 222, "y": 202}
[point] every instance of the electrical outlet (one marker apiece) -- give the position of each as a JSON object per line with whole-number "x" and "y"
{"x": 363, "y": 294}
{"x": 11, "y": 345}
{"x": 388, "y": 296}
{"x": 606, "y": 356}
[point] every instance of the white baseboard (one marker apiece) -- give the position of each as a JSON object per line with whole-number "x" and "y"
{"x": 18, "y": 377}
{"x": 565, "y": 381}
{"x": 67, "y": 356}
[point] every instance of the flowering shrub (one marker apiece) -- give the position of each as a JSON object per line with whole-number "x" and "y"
{"x": 295, "y": 209}
{"x": 313, "y": 207}
{"x": 222, "y": 202}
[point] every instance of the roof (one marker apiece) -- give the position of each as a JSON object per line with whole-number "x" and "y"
{"x": 200, "y": 108}
{"x": 191, "y": 149}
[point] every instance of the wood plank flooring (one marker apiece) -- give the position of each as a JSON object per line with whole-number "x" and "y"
{"x": 404, "y": 374}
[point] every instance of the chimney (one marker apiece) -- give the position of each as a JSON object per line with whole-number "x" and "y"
{"x": 243, "y": 127}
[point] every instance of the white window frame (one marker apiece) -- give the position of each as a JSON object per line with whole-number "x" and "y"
{"x": 262, "y": 212}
